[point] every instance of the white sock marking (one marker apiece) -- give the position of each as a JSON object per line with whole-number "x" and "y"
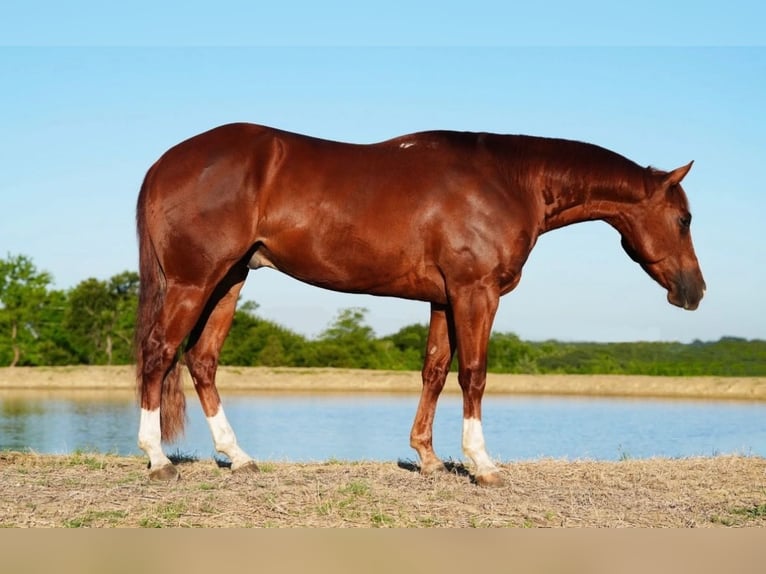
{"x": 224, "y": 439}
{"x": 473, "y": 446}
{"x": 150, "y": 438}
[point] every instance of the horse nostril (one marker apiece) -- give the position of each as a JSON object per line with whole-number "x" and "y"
{"x": 691, "y": 305}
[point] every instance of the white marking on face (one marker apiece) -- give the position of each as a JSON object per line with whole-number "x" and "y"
{"x": 474, "y": 448}
{"x": 432, "y": 350}
{"x": 150, "y": 438}
{"x": 405, "y": 145}
{"x": 225, "y": 440}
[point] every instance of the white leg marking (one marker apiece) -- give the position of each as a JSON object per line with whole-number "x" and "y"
{"x": 224, "y": 439}
{"x": 473, "y": 447}
{"x": 150, "y": 438}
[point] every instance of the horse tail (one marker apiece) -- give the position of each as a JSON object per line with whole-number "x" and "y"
{"x": 172, "y": 404}
{"x": 151, "y": 296}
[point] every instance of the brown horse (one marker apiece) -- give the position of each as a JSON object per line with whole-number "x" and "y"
{"x": 444, "y": 217}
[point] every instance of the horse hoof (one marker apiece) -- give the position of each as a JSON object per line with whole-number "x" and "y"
{"x": 246, "y": 467}
{"x": 434, "y": 467}
{"x": 492, "y": 479}
{"x": 165, "y": 473}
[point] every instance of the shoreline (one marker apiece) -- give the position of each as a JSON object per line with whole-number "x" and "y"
{"x": 289, "y": 379}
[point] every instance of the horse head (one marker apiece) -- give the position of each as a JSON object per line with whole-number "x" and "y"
{"x": 656, "y": 234}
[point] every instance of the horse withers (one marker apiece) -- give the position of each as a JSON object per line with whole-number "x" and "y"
{"x": 444, "y": 217}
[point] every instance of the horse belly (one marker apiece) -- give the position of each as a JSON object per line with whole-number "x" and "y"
{"x": 354, "y": 269}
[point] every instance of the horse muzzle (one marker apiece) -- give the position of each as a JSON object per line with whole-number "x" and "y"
{"x": 686, "y": 290}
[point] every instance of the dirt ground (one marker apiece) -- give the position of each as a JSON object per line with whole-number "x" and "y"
{"x": 95, "y": 490}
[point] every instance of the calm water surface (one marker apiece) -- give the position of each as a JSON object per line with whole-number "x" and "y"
{"x": 317, "y": 427}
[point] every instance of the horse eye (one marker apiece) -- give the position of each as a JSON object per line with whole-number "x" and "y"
{"x": 685, "y": 221}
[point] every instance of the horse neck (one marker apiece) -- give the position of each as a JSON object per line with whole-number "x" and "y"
{"x": 572, "y": 193}
{"x": 569, "y": 181}
{"x": 575, "y": 208}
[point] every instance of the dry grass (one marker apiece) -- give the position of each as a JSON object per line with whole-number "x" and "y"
{"x": 94, "y": 490}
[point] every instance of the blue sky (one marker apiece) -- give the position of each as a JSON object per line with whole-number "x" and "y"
{"x": 89, "y": 101}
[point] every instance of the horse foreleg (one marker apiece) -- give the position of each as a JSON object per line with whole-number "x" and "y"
{"x": 474, "y": 310}
{"x": 439, "y": 351}
{"x": 203, "y": 351}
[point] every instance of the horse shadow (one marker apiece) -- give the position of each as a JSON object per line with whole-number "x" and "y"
{"x": 453, "y": 467}
{"x": 180, "y": 458}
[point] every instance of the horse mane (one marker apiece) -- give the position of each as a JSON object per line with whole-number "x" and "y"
{"x": 568, "y": 164}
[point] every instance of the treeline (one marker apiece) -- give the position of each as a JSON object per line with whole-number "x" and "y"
{"x": 93, "y": 322}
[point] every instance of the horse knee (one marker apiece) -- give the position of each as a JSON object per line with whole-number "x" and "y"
{"x": 434, "y": 375}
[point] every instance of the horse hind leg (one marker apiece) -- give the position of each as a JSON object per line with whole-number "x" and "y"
{"x": 202, "y": 353}
{"x": 162, "y": 401}
{"x": 439, "y": 352}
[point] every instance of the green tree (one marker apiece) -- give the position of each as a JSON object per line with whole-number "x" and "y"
{"x": 100, "y": 318}
{"x": 23, "y": 298}
{"x": 254, "y": 341}
{"x": 348, "y": 342}
{"x": 409, "y": 343}
{"x": 509, "y": 354}
{"x": 124, "y": 290}
{"x": 53, "y": 345}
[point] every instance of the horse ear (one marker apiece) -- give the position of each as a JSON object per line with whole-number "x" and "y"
{"x": 675, "y": 176}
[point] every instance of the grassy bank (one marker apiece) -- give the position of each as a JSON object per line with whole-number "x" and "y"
{"x": 94, "y": 490}
{"x": 350, "y": 380}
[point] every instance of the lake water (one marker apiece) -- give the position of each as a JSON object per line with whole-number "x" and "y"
{"x": 318, "y": 427}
